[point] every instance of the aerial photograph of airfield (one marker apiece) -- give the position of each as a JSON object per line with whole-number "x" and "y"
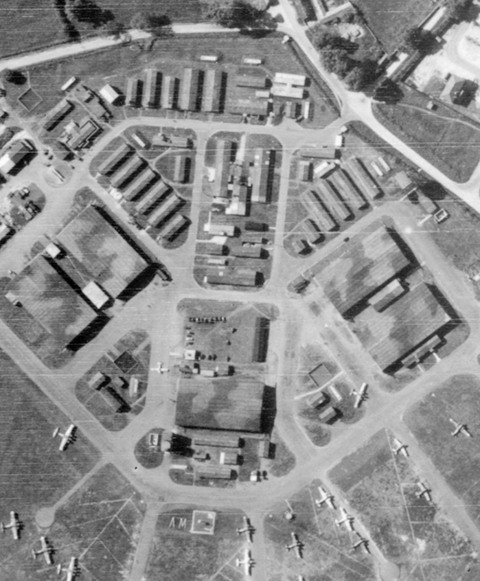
{"x": 240, "y": 290}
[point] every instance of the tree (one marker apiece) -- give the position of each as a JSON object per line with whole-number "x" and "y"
{"x": 87, "y": 11}
{"x": 418, "y": 39}
{"x": 337, "y": 61}
{"x": 153, "y": 23}
{"x": 114, "y": 28}
{"x": 230, "y": 13}
{"x": 458, "y": 9}
{"x": 14, "y": 77}
{"x": 388, "y": 92}
{"x": 322, "y": 37}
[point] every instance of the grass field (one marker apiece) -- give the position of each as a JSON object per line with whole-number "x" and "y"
{"x": 327, "y": 553}
{"x": 176, "y": 10}
{"x": 444, "y": 137}
{"x": 390, "y": 19}
{"x": 411, "y": 532}
{"x": 178, "y": 555}
{"x": 456, "y": 458}
{"x": 100, "y": 523}
{"x": 34, "y": 473}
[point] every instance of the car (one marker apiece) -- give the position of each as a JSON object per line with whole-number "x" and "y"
{"x": 254, "y": 476}
{"x": 25, "y": 191}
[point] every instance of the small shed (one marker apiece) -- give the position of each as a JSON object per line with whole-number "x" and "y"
{"x": 111, "y": 94}
{"x": 98, "y": 380}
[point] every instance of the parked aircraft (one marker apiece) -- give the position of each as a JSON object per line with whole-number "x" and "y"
{"x": 399, "y": 448}
{"x": 247, "y": 528}
{"x": 325, "y": 498}
{"x": 14, "y": 525}
{"x": 361, "y": 541}
{"x": 66, "y": 438}
{"x": 71, "y": 571}
{"x": 460, "y": 428}
{"x": 296, "y": 545}
{"x": 361, "y": 395}
{"x": 247, "y": 561}
{"x": 46, "y": 551}
{"x": 424, "y": 491}
{"x": 347, "y": 520}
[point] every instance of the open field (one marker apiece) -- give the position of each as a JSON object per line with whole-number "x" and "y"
{"x": 32, "y": 24}
{"x": 410, "y": 531}
{"x": 444, "y": 137}
{"x": 34, "y": 473}
{"x": 117, "y": 415}
{"x": 100, "y": 524}
{"x": 390, "y": 19}
{"x": 327, "y": 550}
{"x": 177, "y": 555}
{"x": 176, "y": 10}
{"x": 456, "y": 458}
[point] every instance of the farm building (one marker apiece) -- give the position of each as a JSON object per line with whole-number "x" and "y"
{"x": 362, "y": 178}
{"x": 151, "y": 87}
{"x": 83, "y": 133}
{"x": 188, "y": 99}
{"x": 239, "y": 277}
{"x": 52, "y": 302}
{"x": 212, "y": 90}
{"x": 169, "y": 93}
{"x": 55, "y": 115}
{"x": 133, "y": 93}
{"x": 128, "y": 172}
{"x": 153, "y": 197}
{"x": 370, "y": 261}
{"x": 118, "y": 156}
{"x": 220, "y": 404}
{"x": 174, "y": 227}
{"x": 168, "y": 206}
{"x": 111, "y": 95}
{"x": 347, "y": 189}
{"x": 405, "y": 325}
{"x": 262, "y": 174}
{"x": 102, "y": 253}
{"x": 19, "y": 153}
{"x": 142, "y": 182}
{"x": 224, "y": 155}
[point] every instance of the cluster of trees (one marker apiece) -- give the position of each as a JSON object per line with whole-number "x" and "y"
{"x": 337, "y": 52}
{"x": 458, "y": 9}
{"x": 88, "y": 12}
{"x": 234, "y": 13}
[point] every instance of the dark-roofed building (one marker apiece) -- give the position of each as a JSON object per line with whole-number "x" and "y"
{"x": 255, "y": 251}
{"x": 245, "y": 102}
{"x": 55, "y": 115}
{"x": 101, "y": 251}
{"x": 128, "y": 172}
{"x": 260, "y": 339}
{"x": 83, "y": 133}
{"x": 318, "y": 211}
{"x": 214, "y": 472}
{"x": 262, "y": 174}
{"x": 346, "y": 188}
{"x": 370, "y": 261}
{"x": 151, "y": 87}
{"x": 212, "y": 90}
{"x": 220, "y": 404}
{"x": 405, "y": 325}
{"x": 118, "y": 156}
{"x": 133, "y": 93}
{"x": 146, "y": 204}
{"x": 52, "y": 301}
{"x": 189, "y": 90}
